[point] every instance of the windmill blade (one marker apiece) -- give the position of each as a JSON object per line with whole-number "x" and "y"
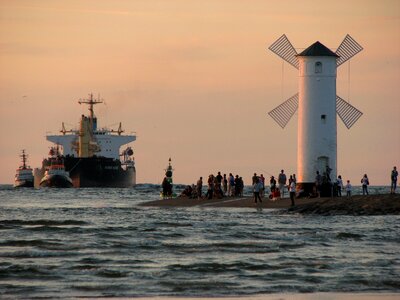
{"x": 284, "y": 112}
{"x": 347, "y": 112}
{"x": 347, "y": 49}
{"x": 283, "y": 48}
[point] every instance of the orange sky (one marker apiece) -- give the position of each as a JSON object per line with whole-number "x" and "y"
{"x": 195, "y": 80}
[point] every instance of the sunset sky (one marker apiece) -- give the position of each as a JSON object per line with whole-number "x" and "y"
{"x": 195, "y": 81}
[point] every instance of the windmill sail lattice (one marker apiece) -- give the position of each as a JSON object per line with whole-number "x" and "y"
{"x": 284, "y": 112}
{"x": 347, "y": 49}
{"x": 347, "y": 112}
{"x": 284, "y": 49}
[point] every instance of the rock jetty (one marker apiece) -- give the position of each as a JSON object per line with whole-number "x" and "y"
{"x": 387, "y": 204}
{"x": 384, "y": 204}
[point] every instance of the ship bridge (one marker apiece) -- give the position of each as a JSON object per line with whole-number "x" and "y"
{"x": 108, "y": 142}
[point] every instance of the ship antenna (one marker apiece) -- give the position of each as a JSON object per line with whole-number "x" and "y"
{"x": 23, "y": 156}
{"x": 91, "y": 101}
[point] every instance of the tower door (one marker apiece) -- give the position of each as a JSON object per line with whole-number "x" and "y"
{"x": 323, "y": 163}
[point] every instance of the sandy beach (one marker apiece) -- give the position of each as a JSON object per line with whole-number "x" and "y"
{"x": 370, "y": 204}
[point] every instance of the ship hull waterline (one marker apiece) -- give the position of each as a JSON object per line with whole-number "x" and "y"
{"x": 57, "y": 181}
{"x": 95, "y": 172}
{"x": 23, "y": 184}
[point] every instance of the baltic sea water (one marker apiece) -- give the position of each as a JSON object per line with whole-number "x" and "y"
{"x": 61, "y": 243}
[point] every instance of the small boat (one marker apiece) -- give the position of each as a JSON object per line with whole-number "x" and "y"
{"x": 55, "y": 175}
{"x": 24, "y": 175}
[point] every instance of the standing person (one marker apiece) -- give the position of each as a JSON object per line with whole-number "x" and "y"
{"x": 167, "y": 188}
{"x": 318, "y": 183}
{"x": 365, "y": 184}
{"x": 231, "y": 185}
{"x": 225, "y": 184}
{"x": 254, "y": 179}
{"x": 393, "y": 178}
{"x": 218, "y": 183}
{"x": 348, "y": 189}
{"x": 294, "y": 179}
{"x": 237, "y": 186}
{"x": 339, "y": 183}
{"x": 292, "y": 191}
{"x": 199, "y": 187}
{"x": 262, "y": 179}
{"x": 282, "y": 183}
{"x": 256, "y": 190}
{"x": 219, "y": 178}
{"x": 290, "y": 179}
{"x": 210, "y": 190}
{"x": 241, "y": 186}
{"x": 272, "y": 184}
{"x": 217, "y": 188}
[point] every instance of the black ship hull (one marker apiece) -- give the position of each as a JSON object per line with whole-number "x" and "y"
{"x": 23, "y": 183}
{"x": 97, "y": 172}
{"x": 57, "y": 181}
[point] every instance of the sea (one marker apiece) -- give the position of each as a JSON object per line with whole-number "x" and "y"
{"x": 67, "y": 243}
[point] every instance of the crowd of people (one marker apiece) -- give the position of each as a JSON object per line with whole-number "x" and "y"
{"x": 220, "y": 186}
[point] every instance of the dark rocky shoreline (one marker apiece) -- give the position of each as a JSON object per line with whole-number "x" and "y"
{"x": 380, "y": 204}
{"x": 385, "y": 204}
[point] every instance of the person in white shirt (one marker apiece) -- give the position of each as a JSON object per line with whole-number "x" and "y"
{"x": 365, "y": 183}
{"x": 257, "y": 186}
{"x": 348, "y": 189}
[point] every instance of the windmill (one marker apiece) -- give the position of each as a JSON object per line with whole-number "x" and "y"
{"x": 317, "y": 104}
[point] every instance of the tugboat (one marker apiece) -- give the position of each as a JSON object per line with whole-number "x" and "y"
{"x": 55, "y": 175}
{"x": 92, "y": 155}
{"x": 24, "y": 175}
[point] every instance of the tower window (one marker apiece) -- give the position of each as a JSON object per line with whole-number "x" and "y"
{"x": 323, "y": 119}
{"x": 318, "y": 67}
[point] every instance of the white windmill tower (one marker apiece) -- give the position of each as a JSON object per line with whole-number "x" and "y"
{"x": 318, "y": 104}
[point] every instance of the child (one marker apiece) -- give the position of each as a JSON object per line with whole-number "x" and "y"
{"x": 348, "y": 189}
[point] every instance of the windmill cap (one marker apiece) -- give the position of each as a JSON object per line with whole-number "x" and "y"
{"x": 317, "y": 49}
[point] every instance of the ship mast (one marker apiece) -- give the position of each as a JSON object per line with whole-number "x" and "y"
{"x": 23, "y": 156}
{"x": 91, "y": 101}
{"x": 87, "y": 145}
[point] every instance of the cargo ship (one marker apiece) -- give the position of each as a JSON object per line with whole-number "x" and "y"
{"x": 92, "y": 156}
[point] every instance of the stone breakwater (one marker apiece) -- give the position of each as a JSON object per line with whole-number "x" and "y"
{"x": 383, "y": 204}
{"x": 388, "y": 204}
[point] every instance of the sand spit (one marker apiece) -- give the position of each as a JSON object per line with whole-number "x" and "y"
{"x": 357, "y": 205}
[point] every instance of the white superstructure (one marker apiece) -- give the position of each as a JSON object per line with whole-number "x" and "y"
{"x": 108, "y": 141}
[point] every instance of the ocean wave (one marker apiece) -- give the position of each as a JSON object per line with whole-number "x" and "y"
{"x": 41, "y": 222}
{"x": 29, "y": 272}
{"x": 31, "y": 243}
{"x": 349, "y": 235}
{"x": 111, "y": 273}
{"x": 27, "y": 254}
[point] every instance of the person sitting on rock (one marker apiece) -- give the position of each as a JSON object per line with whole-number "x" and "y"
{"x": 187, "y": 192}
